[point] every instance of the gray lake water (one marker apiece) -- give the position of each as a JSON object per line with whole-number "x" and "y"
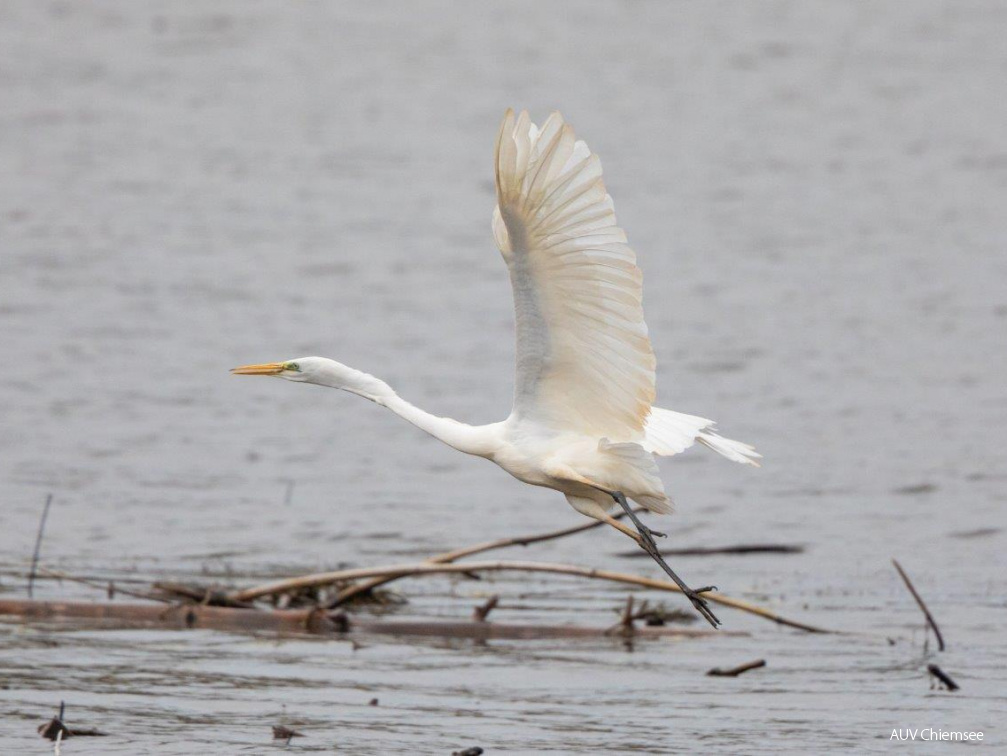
{"x": 816, "y": 192}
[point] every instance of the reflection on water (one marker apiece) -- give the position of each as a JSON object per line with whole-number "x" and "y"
{"x": 815, "y": 193}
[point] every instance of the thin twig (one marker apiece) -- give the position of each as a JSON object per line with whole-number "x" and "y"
{"x": 452, "y": 556}
{"x": 394, "y": 572}
{"x": 926, "y": 612}
{"x": 172, "y": 591}
{"x": 627, "y": 615}
{"x": 38, "y": 544}
{"x": 740, "y": 549}
{"x": 57, "y": 575}
{"x": 625, "y": 626}
{"x": 480, "y": 613}
{"x": 735, "y": 671}
{"x": 102, "y": 579}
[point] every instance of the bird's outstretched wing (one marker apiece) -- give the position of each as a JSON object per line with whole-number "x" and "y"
{"x": 584, "y": 360}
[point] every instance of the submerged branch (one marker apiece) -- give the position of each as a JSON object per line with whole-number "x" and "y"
{"x": 311, "y": 621}
{"x": 735, "y": 671}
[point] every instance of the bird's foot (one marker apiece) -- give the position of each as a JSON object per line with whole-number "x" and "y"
{"x": 646, "y": 541}
{"x": 647, "y": 538}
{"x": 701, "y": 605}
{"x": 697, "y": 600}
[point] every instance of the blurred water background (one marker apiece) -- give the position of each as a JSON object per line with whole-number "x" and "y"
{"x": 816, "y": 192}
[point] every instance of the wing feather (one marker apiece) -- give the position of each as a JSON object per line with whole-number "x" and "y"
{"x": 584, "y": 359}
{"x": 669, "y": 433}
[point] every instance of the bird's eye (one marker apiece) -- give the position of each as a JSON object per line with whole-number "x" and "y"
{"x": 293, "y": 366}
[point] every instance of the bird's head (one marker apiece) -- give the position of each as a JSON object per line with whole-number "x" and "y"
{"x": 323, "y": 372}
{"x": 301, "y": 369}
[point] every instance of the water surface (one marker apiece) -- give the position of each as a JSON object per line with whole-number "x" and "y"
{"x": 816, "y": 194}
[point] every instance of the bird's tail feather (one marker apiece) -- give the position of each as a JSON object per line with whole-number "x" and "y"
{"x": 667, "y": 433}
{"x": 736, "y": 451}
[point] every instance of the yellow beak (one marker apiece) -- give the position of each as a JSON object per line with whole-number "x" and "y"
{"x": 268, "y": 368}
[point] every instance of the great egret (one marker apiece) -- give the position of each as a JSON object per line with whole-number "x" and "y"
{"x": 583, "y": 420}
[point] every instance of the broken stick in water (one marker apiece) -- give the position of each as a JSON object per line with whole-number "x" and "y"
{"x": 942, "y": 676}
{"x": 923, "y": 606}
{"x": 281, "y": 732}
{"x": 735, "y": 671}
{"x": 740, "y": 549}
{"x": 625, "y": 626}
{"x": 38, "y": 544}
{"x": 307, "y": 621}
{"x": 56, "y": 730}
{"x": 108, "y": 587}
{"x": 480, "y": 613}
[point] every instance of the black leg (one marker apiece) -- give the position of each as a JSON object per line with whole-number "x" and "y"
{"x": 648, "y": 545}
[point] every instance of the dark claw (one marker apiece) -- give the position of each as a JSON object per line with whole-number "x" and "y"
{"x": 704, "y": 610}
{"x": 706, "y": 589}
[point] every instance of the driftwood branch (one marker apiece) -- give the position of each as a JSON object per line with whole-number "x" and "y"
{"x": 394, "y": 572}
{"x": 309, "y": 621}
{"x": 923, "y": 606}
{"x": 735, "y": 671}
{"x": 739, "y": 549}
{"x": 452, "y": 556}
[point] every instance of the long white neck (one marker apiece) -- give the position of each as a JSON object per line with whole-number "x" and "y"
{"x": 480, "y": 440}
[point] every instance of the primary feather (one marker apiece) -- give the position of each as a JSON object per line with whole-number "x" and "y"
{"x": 584, "y": 360}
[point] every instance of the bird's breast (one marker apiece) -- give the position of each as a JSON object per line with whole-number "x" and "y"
{"x": 524, "y": 464}
{"x": 526, "y": 453}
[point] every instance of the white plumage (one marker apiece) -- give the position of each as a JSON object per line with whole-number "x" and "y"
{"x": 584, "y": 361}
{"x": 584, "y": 421}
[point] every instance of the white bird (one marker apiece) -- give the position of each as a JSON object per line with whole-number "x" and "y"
{"x": 584, "y": 421}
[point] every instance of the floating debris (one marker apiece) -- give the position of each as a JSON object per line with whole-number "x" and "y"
{"x": 281, "y": 732}
{"x": 735, "y": 671}
{"x": 56, "y": 730}
{"x": 942, "y": 677}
